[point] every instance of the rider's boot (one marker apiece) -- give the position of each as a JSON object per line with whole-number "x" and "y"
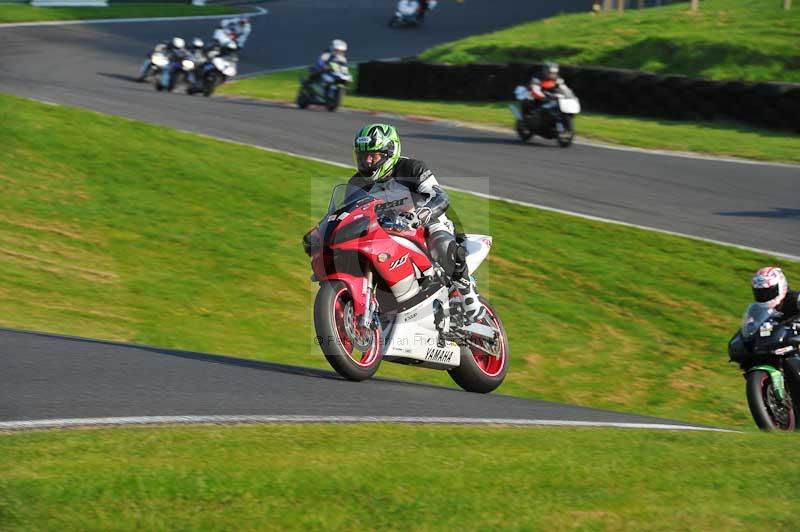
{"x": 473, "y": 308}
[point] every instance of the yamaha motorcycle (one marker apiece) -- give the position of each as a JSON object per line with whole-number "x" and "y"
{"x": 551, "y": 120}
{"x": 326, "y": 91}
{"x": 766, "y": 350}
{"x": 382, "y": 298}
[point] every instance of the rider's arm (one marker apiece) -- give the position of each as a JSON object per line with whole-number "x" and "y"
{"x": 424, "y": 183}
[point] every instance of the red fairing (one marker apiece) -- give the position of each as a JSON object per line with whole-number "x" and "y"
{"x": 401, "y": 251}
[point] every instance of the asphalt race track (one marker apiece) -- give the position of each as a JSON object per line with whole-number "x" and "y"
{"x": 46, "y": 377}
{"x": 92, "y": 65}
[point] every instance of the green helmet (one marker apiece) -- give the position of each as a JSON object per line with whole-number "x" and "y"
{"x": 381, "y": 139}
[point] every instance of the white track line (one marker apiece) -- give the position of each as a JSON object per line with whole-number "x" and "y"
{"x": 259, "y": 11}
{"x": 161, "y": 420}
{"x": 785, "y": 256}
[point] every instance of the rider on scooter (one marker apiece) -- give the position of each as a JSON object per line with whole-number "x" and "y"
{"x": 334, "y": 54}
{"x": 532, "y": 95}
{"x": 376, "y": 151}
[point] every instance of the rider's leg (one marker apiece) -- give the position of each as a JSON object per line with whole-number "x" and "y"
{"x": 452, "y": 257}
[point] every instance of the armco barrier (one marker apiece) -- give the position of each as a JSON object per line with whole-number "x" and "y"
{"x": 607, "y": 90}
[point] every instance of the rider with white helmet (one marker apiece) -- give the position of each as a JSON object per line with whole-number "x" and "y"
{"x": 334, "y": 54}
{"x": 771, "y": 287}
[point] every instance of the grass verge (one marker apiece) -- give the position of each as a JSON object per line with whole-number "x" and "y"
{"x": 713, "y": 138}
{"x": 141, "y": 233}
{"x": 726, "y": 39}
{"x": 395, "y": 477}
{"x": 27, "y": 13}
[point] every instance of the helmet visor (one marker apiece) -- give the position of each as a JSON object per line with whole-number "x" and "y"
{"x": 762, "y": 295}
{"x": 369, "y": 162}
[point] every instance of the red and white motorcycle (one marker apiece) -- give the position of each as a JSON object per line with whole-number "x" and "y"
{"x": 382, "y": 298}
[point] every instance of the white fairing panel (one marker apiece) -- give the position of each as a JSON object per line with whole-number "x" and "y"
{"x": 413, "y": 336}
{"x": 478, "y": 247}
{"x": 570, "y": 106}
{"x": 407, "y": 7}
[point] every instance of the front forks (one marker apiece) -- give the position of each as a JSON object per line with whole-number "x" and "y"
{"x": 369, "y": 309}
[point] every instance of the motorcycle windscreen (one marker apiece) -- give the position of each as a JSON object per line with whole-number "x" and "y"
{"x": 754, "y": 316}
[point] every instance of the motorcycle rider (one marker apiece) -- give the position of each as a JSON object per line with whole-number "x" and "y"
{"x": 334, "y": 54}
{"x": 239, "y": 27}
{"x": 532, "y": 95}
{"x": 197, "y": 49}
{"x": 771, "y": 287}
{"x": 376, "y": 151}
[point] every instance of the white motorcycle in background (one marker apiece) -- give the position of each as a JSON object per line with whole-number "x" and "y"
{"x": 407, "y": 13}
{"x": 551, "y": 120}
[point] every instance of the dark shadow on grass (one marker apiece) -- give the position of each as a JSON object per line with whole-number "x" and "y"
{"x": 776, "y": 212}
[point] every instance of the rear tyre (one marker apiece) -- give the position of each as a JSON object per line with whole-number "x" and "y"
{"x": 768, "y": 411}
{"x": 479, "y": 371}
{"x": 302, "y": 100}
{"x": 523, "y": 132}
{"x": 354, "y": 353}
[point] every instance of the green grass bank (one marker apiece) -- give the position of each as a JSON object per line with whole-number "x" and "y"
{"x": 279, "y": 477}
{"x": 145, "y": 234}
{"x": 710, "y": 137}
{"x": 754, "y": 40}
{"x": 28, "y": 13}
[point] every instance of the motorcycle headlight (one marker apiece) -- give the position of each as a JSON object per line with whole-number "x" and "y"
{"x": 352, "y": 230}
{"x": 187, "y": 64}
{"x": 159, "y": 60}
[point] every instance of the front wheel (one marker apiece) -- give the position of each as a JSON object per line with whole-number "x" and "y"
{"x": 211, "y": 82}
{"x": 480, "y": 371}
{"x": 566, "y": 136}
{"x": 769, "y": 412}
{"x": 354, "y": 352}
{"x": 334, "y": 99}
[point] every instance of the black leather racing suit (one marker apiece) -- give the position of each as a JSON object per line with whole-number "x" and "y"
{"x": 425, "y": 191}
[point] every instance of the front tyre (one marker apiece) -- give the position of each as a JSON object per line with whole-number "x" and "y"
{"x": 769, "y": 412}
{"x": 479, "y": 371}
{"x": 566, "y": 136}
{"x": 355, "y": 353}
{"x": 334, "y": 99}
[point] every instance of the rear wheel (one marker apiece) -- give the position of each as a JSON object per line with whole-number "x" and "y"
{"x": 302, "y": 99}
{"x": 524, "y": 133}
{"x": 769, "y": 412}
{"x": 354, "y": 352}
{"x": 479, "y": 370}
